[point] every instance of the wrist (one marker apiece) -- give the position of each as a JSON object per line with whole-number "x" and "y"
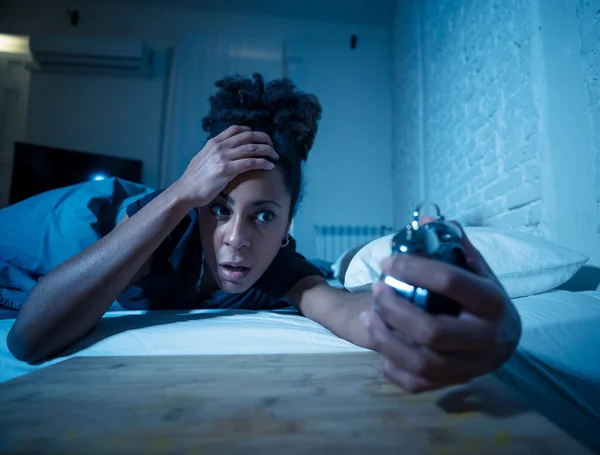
{"x": 179, "y": 200}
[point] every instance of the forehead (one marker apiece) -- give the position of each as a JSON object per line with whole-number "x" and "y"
{"x": 258, "y": 185}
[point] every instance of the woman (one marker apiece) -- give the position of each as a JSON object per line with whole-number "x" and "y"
{"x": 218, "y": 238}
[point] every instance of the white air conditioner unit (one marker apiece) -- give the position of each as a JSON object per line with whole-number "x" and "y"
{"x": 90, "y": 54}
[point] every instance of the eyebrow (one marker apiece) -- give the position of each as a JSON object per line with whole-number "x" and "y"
{"x": 227, "y": 198}
{"x": 230, "y": 201}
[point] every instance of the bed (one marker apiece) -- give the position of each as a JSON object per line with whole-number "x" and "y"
{"x": 556, "y": 367}
{"x": 557, "y": 364}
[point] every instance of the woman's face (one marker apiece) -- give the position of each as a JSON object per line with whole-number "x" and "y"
{"x": 242, "y": 229}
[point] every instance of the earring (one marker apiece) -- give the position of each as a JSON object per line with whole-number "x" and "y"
{"x": 286, "y": 241}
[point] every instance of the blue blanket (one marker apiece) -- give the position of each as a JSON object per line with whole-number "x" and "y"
{"x": 41, "y": 232}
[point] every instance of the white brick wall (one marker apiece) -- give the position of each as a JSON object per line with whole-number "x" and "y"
{"x": 490, "y": 114}
{"x": 407, "y": 131}
{"x": 480, "y": 152}
{"x": 589, "y": 32}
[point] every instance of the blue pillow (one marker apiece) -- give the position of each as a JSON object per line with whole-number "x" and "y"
{"x": 41, "y": 232}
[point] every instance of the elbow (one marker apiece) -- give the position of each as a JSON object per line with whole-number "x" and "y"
{"x": 20, "y": 348}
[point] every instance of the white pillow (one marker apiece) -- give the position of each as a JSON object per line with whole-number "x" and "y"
{"x": 525, "y": 264}
{"x": 337, "y": 265}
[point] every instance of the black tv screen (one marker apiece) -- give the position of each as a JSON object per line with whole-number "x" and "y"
{"x": 38, "y": 168}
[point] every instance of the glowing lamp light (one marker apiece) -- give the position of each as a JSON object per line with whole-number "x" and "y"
{"x": 99, "y": 176}
{"x": 14, "y": 44}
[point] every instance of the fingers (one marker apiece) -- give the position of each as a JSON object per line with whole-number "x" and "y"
{"x": 409, "y": 362}
{"x": 242, "y": 142}
{"x": 250, "y": 164}
{"x": 475, "y": 260}
{"x": 229, "y": 132}
{"x": 408, "y": 381}
{"x": 413, "y": 358}
{"x": 413, "y": 383}
{"x": 441, "y": 333}
{"x": 247, "y": 137}
{"x": 253, "y": 150}
{"x": 421, "y": 351}
{"x": 476, "y": 294}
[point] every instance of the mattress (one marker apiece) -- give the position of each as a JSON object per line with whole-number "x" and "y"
{"x": 556, "y": 366}
{"x": 197, "y": 332}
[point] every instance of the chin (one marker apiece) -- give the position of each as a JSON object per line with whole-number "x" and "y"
{"x": 234, "y": 288}
{"x": 235, "y": 283}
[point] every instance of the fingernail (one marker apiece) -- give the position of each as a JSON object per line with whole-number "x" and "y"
{"x": 270, "y": 166}
{"x": 426, "y": 219}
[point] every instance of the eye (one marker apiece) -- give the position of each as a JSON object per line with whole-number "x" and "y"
{"x": 265, "y": 216}
{"x": 220, "y": 210}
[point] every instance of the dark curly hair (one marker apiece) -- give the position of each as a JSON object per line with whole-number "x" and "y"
{"x": 277, "y": 108}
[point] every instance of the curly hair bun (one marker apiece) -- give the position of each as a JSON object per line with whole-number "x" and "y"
{"x": 277, "y": 108}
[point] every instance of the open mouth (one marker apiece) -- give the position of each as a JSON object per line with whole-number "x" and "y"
{"x": 233, "y": 273}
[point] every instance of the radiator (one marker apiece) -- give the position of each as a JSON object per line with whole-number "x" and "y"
{"x": 332, "y": 241}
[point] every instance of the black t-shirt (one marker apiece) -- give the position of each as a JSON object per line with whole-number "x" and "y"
{"x": 174, "y": 277}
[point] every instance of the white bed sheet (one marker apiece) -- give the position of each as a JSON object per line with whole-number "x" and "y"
{"x": 335, "y": 283}
{"x": 556, "y": 367}
{"x": 198, "y": 332}
{"x": 557, "y": 364}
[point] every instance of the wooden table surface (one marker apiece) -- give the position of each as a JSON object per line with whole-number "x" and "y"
{"x": 267, "y": 404}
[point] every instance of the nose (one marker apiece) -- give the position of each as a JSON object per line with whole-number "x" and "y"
{"x": 237, "y": 234}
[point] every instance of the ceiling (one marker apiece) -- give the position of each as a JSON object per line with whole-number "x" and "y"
{"x": 357, "y": 12}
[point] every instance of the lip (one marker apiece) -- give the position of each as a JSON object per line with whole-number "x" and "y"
{"x": 235, "y": 264}
{"x": 233, "y": 275}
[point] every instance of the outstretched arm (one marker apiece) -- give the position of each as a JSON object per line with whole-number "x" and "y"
{"x": 336, "y": 309}
{"x": 422, "y": 351}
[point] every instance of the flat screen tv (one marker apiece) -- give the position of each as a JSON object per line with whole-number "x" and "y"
{"x": 38, "y": 168}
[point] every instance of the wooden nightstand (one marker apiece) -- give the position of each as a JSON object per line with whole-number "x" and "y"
{"x": 267, "y": 404}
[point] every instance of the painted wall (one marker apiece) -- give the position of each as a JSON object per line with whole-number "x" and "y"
{"x": 348, "y": 175}
{"x": 99, "y": 114}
